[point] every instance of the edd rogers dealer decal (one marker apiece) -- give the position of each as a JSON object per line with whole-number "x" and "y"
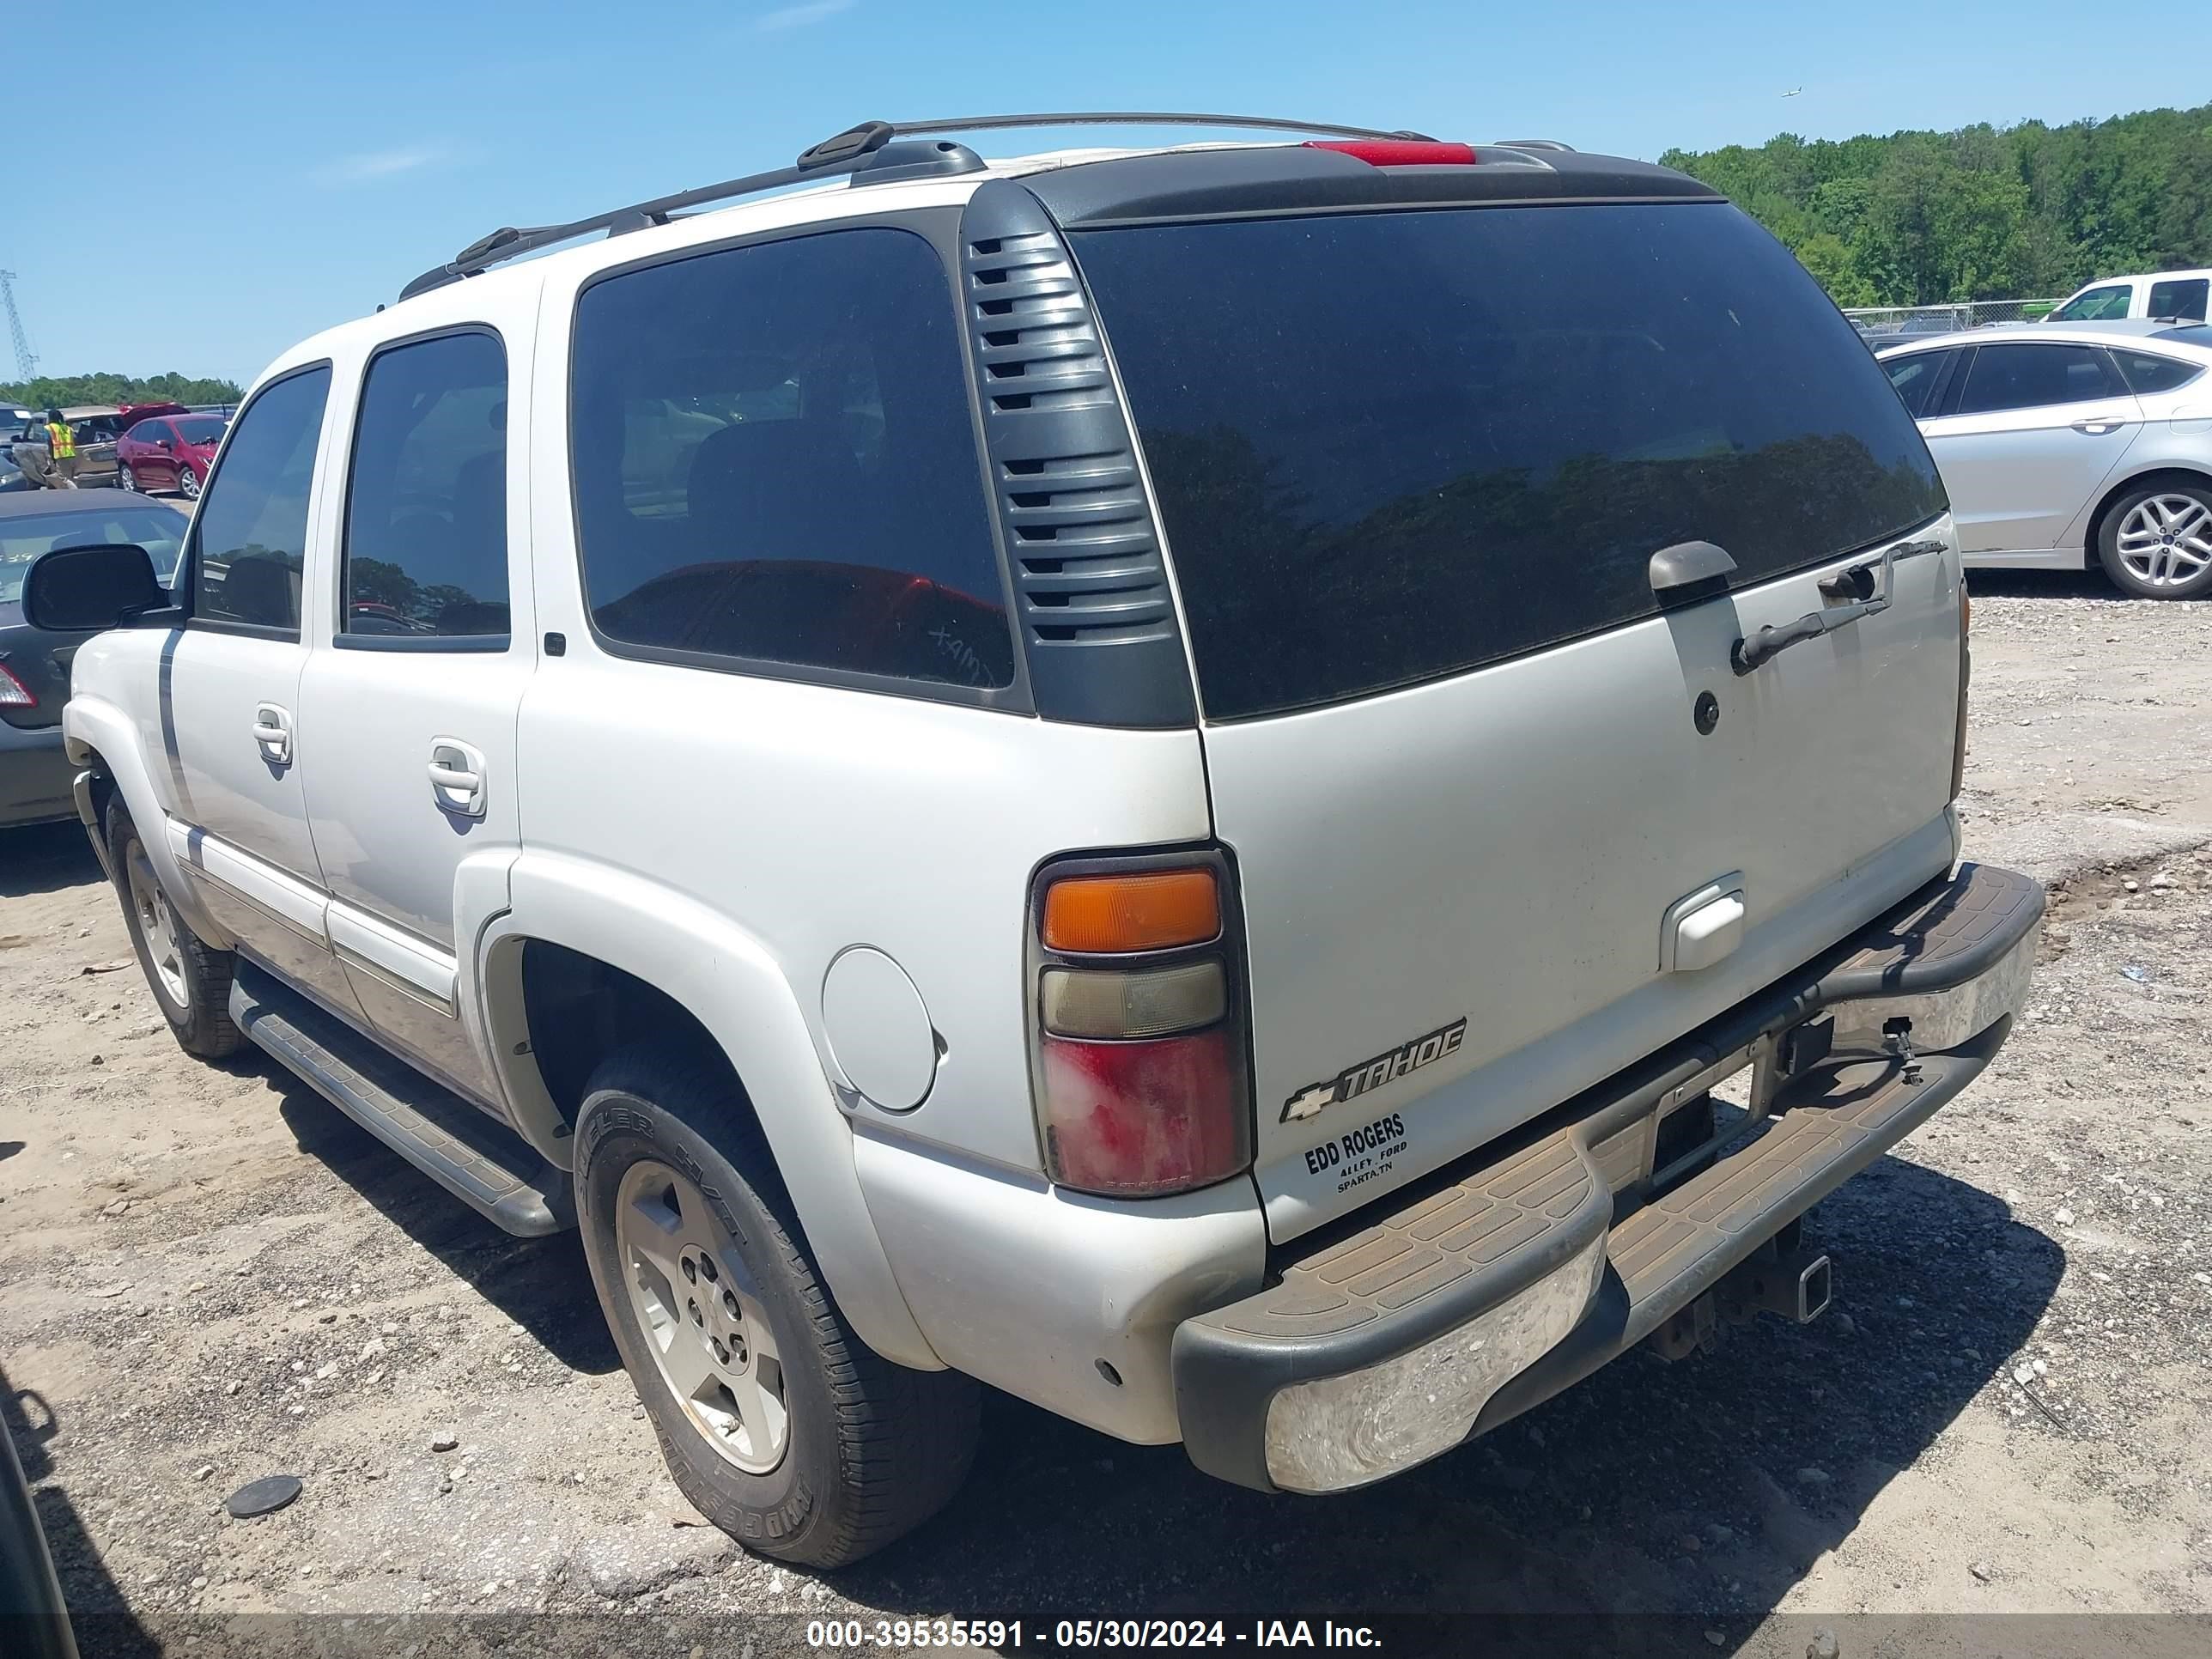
{"x": 1355, "y": 1080}
{"x": 1360, "y": 1154}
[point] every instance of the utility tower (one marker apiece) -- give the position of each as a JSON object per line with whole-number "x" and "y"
{"x": 26, "y": 365}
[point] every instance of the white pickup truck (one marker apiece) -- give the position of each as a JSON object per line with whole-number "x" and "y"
{"x": 1167, "y": 779}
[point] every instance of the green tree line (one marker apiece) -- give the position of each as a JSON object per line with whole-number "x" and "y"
{"x": 63, "y": 392}
{"x": 1983, "y": 213}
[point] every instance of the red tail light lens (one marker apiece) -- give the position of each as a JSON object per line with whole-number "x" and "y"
{"x": 1131, "y": 1120}
{"x": 1399, "y": 152}
{"x": 14, "y": 693}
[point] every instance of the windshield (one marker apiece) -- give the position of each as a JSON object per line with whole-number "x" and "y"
{"x": 158, "y": 529}
{"x": 1390, "y": 446}
{"x": 201, "y": 428}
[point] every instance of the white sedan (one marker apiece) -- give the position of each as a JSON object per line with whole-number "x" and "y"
{"x": 2065, "y": 444}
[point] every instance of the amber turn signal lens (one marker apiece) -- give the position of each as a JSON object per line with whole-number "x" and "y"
{"x": 1153, "y": 911}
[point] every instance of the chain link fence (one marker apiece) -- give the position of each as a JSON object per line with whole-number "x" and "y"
{"x": 1944, "y": 320}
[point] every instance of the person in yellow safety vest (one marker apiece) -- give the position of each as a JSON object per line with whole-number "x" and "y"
{"x": 61, "y": 445}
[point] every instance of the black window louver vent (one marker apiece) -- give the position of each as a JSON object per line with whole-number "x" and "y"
{"x": 1097, "y": 622}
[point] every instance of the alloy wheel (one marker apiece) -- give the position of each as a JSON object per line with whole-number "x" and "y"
{"x": 700, "y": 1308}
{"x": 2165, "y": 540}
{"x": 158, "y": 924}
{"x": 189, "y": 481}
{"x": 125, "y": 479}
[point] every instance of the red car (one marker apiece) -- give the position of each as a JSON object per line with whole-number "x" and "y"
{"x": 168, "y": 452}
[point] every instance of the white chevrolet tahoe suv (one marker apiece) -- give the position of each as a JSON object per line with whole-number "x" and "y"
{"x": 1175, "y": 781}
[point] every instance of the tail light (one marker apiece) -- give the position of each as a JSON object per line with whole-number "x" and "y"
{"x": 1965, "y": 673}
{"x": 14, "y": 693}
{"x": 1140, "y": 1079}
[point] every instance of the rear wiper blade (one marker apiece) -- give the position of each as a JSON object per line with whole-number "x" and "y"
{"x": 1770, "y": 642}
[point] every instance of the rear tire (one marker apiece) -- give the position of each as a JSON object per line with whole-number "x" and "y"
{"x": 843, "y": 1452}
{"x": 2156, "y": 542}
{"x": 124, "y": 478}
{"x": 190, "y": 980}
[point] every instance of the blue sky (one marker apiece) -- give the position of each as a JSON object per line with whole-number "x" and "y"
{"x": 230, "y": 176}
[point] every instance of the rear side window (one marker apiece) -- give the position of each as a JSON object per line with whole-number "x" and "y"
{"x": 774, "y": 461}
{"x": 1390, "y": 446}
{"x": 426, "y": 502}
{"x": 2183, "y": 298}
{"x": 1916, "y": 378}
{"x": 251, "y": 536}
{"x": 2003, "y": 377}
{"x": 2148, "y": 372}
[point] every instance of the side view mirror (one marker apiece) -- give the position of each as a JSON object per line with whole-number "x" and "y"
{"x": 85, "y": 589}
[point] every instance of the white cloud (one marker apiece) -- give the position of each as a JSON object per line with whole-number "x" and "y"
{"x": 797, "y": 17}
{"x": 376, "y": 164}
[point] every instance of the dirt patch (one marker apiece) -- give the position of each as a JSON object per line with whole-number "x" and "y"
{"x": 207, "y": 1275}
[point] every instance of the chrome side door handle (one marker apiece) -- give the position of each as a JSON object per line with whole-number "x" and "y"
{"x": 272, "y": 730}
{"x": 2097, "y": 425}
{"x": 457, "y": 777}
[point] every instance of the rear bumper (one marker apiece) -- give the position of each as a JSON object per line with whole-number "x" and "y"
{"x": 1494, "y": 1286}
{"x": 35, "y": 776}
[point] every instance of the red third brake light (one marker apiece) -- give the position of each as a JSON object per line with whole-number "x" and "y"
{"x": 1400, "y": 152}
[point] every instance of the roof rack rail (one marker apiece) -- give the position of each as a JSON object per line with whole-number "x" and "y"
{"x": 844, "y": 152}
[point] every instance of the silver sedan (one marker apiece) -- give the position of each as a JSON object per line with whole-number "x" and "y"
{"x": 2062, "y": 445}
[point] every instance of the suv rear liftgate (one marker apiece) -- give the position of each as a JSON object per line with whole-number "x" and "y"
{"x": 1496, "y": 487}
{"x": 1470, "y": 509}
{"x": 1492, "y": 1286}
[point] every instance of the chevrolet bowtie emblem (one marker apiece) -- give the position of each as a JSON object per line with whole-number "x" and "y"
{"x": 1355, "y": 1080}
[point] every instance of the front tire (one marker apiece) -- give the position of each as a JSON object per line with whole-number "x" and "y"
{"x": 190, "y": 980}
{"x": 777, "y": 1422}
{"x": 189, "y": 481}
{"x": 2156, "y": 543}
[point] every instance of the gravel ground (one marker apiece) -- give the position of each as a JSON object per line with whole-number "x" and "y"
{"x": 208, "y": 1275}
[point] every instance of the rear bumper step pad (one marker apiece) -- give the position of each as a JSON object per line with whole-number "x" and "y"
{"x": 489, "y": 1167}
{"x": 1483, "y": 1297}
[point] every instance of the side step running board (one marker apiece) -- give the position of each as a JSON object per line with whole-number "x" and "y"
{"x": 486, "y": 1167}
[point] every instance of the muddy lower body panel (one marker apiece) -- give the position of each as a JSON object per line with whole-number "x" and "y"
{"x": 1492, "y": 1286}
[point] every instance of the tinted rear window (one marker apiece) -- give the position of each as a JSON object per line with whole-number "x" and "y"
{"x": 2147, "y": 372}
{"x": 2184, "y": 297}
{"x": 1393, "y": 446}
{"x": 2013, "y": 376}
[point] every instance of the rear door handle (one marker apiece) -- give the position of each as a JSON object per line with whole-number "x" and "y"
{"x": 272, "y": 730}
{"x": 2098, "y": 425}
{"x": 457, "y": 776}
